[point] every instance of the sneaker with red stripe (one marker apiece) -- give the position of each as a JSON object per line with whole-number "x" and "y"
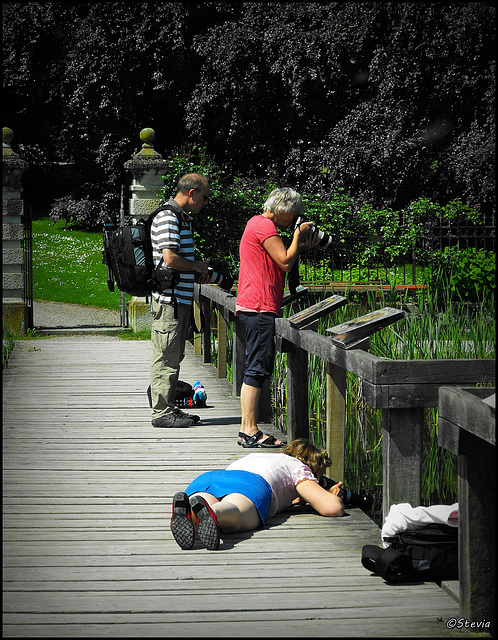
{"x": 181, "y": 524}
{"x": 207, "y": 523}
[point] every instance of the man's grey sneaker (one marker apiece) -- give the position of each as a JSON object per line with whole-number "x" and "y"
{"x": 181, "y": 524}
{"x": 172, "y": 421}
{"x": 184, "y": 414}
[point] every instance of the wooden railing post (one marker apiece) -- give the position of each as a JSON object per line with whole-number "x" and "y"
{"x": 238, "y": 357}
{"x": 222, "y": 345}
{"x": 402, "y": 431}
{"x": 206, "y": 336}
{"x": 297, "y": 394}
{"x": 336, "y": 377}
{"x": 477, "y": 526}
{"x": 264, "y": 410}
{"x": 336, "y": 419}
{"x": 467, "y": 428}
{"x": 197, "y": 336}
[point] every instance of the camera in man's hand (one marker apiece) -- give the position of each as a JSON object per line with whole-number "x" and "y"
{"x": 363, "y": 500}
{"x": 224, "y": 281}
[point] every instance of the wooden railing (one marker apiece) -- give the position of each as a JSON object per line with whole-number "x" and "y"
{"x": 467, "y": 427}
{"x": 401, "y": 389}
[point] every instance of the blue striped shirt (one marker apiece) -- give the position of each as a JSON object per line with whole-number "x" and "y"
{"x": 165, "y": 234}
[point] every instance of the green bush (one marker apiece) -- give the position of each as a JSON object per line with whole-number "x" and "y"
{"x": 470, "y": 273}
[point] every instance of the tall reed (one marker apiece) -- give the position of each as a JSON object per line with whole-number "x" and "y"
{"x": 434, "y": 328}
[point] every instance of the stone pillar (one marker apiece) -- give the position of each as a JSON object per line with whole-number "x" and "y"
{"x": 147, "y": 167}
{"x": 12, "y": 237}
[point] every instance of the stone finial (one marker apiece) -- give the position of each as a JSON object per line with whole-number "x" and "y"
{"x": 8, "y": 136}
{"x": 147, "y": 136}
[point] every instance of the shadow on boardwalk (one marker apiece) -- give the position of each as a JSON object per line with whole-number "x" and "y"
{"x": 87, "y": 502}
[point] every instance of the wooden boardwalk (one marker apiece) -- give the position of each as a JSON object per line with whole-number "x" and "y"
{"x": 87, "y": 501}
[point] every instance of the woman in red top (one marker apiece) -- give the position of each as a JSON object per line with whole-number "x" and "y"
{"x": 264, "y": 261}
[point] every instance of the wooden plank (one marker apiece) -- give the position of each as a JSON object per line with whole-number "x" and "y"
{"x": 404, "y": 396}
{"x": 87, "y": 501}
{"x": 312, "y": 314}
{"x": 467, "y": 409}
{"x": 350, "y": 333}
{"x": 300, "y": 292}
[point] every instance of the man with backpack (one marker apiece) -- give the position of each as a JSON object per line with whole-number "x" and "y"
{"x": 172, "y": 299}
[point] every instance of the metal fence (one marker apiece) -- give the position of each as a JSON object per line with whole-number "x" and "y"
{"x": 349, "y": 264}
{"x": 27, "y": 293}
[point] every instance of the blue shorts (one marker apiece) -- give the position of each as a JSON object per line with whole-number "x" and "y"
{"x": 221, "y": 483}
{"x": 259, "y": 330}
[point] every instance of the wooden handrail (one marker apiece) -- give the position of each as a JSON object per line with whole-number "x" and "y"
{"x": 401, "y": 389}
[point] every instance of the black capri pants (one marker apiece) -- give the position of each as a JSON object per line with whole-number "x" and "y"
{"x": 259, "y": 329}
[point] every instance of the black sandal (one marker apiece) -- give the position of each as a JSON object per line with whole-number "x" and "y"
{"x": 251, "y": 442}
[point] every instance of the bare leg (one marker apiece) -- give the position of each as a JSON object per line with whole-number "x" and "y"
{"x": 234, "y": 512}
{"x": 249, "y": 404}
{"x": 237, "y": 513}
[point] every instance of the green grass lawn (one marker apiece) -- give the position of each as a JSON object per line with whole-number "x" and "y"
{"x": 67, "y": 266}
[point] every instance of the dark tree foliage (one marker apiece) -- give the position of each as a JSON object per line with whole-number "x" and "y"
{"x": 390, "y": 101}
{"x": 82, "y": 80}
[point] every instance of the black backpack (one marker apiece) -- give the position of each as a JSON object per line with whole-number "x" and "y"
{"x": 426, "y": 554}
{"x": 128, "y": 257}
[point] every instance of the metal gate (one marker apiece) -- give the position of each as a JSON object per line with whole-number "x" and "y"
{"x": 27, "y": 293}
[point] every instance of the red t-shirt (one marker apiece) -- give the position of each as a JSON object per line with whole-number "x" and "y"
{"x": 261, "y": 280}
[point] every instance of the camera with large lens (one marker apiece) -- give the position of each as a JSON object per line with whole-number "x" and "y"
{"x": 224, "y": 281}
{"x": 363, "y": 500}
{"x": 324, "y": 240}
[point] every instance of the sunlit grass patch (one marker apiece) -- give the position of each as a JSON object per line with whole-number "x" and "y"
{"x": 67, "y": 266}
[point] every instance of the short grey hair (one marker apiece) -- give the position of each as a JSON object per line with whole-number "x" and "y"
{"x": 189, "y": 181}
{"x": 284, "y": 200}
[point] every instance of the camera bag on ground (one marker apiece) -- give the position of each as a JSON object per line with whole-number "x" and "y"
{"x": 429, "y": 553}
{"x": 128, "y": 257}
{"x": 183, "y": 390}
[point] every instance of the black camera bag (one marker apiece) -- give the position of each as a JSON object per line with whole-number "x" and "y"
{"x": 183, "y": 390}
{"x": 426, "y": 554}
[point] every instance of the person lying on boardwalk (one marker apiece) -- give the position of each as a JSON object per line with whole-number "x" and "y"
{"x": 251, "y": 490}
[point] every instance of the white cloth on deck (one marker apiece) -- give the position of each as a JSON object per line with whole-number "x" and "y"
{"x": 403, "y": 516}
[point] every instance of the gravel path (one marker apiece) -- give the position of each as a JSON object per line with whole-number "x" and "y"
{"x": 56, "y": 315}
